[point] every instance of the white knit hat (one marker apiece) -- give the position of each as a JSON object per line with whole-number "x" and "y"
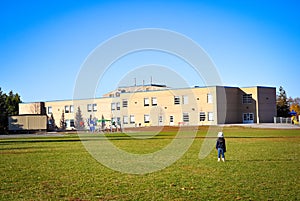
{"x": 220, "y": 134}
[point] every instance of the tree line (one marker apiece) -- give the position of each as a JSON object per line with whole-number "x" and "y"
{"x": 285, "y": 105}
{"x": 9, "y": 105}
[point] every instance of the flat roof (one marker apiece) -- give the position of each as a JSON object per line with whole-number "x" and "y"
{"x": 163, "y": 89}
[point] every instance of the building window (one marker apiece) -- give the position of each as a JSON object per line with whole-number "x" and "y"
{"x": 209, "y": 98}
{"x": 71, "y": 108}
{"x": 202, "y": 116}
{"x": 89, "y": 107}
{"x": 132, "y": 120}
{"x": 124, "y": 103}
{"x": 118, "y": 105}
{"x": 113, "y": 106}
{"x": 171, "y": 119}
{"x": 50, "y": 110}
{"x": 72, "y": 123}
{"x": 67, "y": 123}
{"x": 185, "y": 99}
{"x": 185, "y": 117}
{"x": 210, "y": 116}
{"x": 154, "y": 101}
{"x": 118, "y": 121}
{"x": 113, "y": 121}
{"x": 146, "y": 101}
{"x": 67, "y": 109}
{"x": 94, "y": 107}
{"x": 247, "y": 98}
{"x": 125, "y": 119}
{"x": 146, "y": 118}
{"x": 176, "y": 100}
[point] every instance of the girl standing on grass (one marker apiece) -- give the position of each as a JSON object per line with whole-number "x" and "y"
{"x": 221, "y": 146}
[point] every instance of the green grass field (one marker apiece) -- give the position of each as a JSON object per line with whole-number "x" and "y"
{"x": 262, "y": 164}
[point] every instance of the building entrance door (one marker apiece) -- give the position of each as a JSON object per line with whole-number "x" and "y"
{"x": 248, "y": 118}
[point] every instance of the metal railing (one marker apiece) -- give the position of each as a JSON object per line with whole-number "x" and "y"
{"x": 287, "y": 120}
{"x": 282, "y": 120}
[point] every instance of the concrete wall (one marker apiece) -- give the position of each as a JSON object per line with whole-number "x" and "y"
{"x": 27, "y": 123}
{"x": 32, "y": 108}
{"x": 266, "y": 104}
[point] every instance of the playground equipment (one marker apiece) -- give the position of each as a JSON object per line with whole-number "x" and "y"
{"x": 294, "y": 120}
{"x": 294, "y": 117}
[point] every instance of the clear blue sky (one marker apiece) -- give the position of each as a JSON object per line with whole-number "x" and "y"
{"x": 44, "y": 43}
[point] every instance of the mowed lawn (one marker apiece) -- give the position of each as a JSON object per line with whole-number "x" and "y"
{"x": 262, "y": 164}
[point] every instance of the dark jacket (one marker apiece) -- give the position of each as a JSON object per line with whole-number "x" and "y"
{"x": 221, "y": 144}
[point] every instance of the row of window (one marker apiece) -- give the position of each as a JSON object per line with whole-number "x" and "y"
{"x": 131, "y": 119}
{"x": 117, "y": 105}
{"x": 92, "y": 107}
{"x": 246, "y": 99}
{"x": 70, "y": 108}
{"x": 202, "y": 116}
{"x": 185, "y": 118}
{"x": 70, "y": 123}
{"x": 177, "y": 100}
{"x": 153, "y": 101}
{"x": 185, "y": 100}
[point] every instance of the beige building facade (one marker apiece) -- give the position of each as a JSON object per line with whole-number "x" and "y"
{"x": 158, "y": 105}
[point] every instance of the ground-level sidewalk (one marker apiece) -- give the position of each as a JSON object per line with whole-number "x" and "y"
{"x": 267, "y": 125}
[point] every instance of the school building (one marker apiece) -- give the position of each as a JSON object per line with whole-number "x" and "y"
{"x": 158, "y": 105}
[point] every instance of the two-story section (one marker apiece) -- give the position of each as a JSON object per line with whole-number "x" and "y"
{"x": 158, "y": 105}
{"x": 249, "y": 104}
